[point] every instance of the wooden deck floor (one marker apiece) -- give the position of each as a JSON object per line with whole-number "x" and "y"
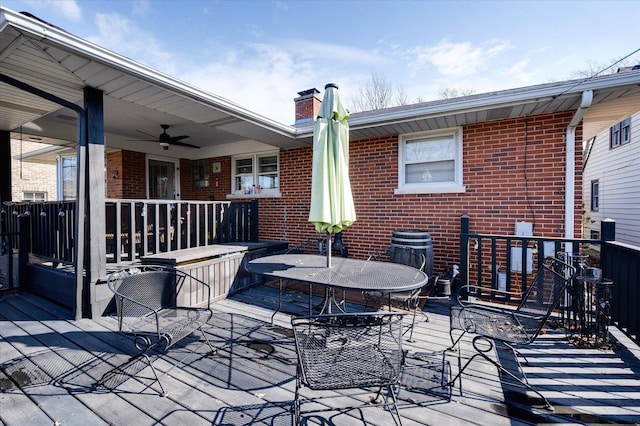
{"x": 49, "y": 363}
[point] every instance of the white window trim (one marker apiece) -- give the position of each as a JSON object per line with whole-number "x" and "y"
{"x": 436, "y": 187}
{"x": 44, "y": 193}
{"x": 264, "y": 193}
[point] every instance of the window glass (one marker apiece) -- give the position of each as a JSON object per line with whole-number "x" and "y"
{"x": 595, "y": 195}
{"x": 201, "y": 173}
{"x": 69, "y": 177}
{"x": 257, "y": 174}
{"x": 625, "y": 131}
{"x": 35, "y": 196}
{"x": 430, "y": 162}
{"x": 620, "y": 133}
{"x": 268, "y": 172}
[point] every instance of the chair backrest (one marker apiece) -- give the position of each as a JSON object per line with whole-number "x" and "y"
{"x": 140, "y": 290}
{"x": 404, "y": 255}
{"x": 544, "y": 294}
{"x": 407, "y": 256}
{"x": 349, "y": 350}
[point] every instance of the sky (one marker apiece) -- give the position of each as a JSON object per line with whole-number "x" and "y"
{"x": 260, "y": 54}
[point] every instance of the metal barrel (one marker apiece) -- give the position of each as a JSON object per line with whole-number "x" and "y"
{"x": 416, "y": 239}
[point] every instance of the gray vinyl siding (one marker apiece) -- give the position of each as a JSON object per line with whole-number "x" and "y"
{"x": 618, "y": 173}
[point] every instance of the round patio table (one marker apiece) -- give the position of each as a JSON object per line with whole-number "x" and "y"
{"x": 344, "y": 273}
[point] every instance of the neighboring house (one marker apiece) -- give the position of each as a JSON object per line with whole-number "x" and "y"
{"x": 31, "y": 181}
{"x": 502, "y": 157}
{"x": 611, "y": 179}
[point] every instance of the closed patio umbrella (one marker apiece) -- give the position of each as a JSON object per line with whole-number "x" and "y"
{"x": 332, "y": 208}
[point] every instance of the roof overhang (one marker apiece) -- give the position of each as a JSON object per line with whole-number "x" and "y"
{"x": 136, "y": 97}
{"x": 615, "y": 97}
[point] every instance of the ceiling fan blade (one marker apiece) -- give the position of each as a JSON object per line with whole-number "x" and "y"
{"x": 178, "y": 138}
{"x": 188, "y": 145}
{"x": 142, "y": 140}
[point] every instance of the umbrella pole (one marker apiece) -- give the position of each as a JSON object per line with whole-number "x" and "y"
{"x": 328, "y": 249}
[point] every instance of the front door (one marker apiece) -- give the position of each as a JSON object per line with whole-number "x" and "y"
{"x": 162, "y": 182}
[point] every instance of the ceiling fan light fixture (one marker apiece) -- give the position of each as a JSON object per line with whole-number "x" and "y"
{"x": 164, "y": 145}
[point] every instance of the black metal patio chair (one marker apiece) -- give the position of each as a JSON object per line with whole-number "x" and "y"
{"x": 348, "y": 351}
{"x": 147, "y": 308}
{"x": 520, "y": 325}
{"x": 411, "y": 301}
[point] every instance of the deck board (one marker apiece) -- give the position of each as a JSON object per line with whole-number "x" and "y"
{"x": 251, "y": 378}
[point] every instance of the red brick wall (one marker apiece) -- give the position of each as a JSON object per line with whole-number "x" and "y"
{"x": 131, "y": 181}
{"x": 493, "y": 173}
{"x": 307, "y": 106}
{"x": 219, "y": 183}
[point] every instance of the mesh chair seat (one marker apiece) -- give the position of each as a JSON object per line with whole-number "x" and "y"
{"x": 518, "y": 326}
{"x": 174, "y": 324}
{"x": 503, "y": 326}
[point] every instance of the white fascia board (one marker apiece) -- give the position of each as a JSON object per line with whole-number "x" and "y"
{"x": 499, "y": 99}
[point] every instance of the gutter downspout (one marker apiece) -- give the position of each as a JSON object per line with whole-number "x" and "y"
{"x": 570, "y": 168}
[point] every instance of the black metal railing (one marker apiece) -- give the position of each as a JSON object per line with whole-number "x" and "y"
{"x": 14, "y": 276}
{"x": 621, "y": 264}
{"x": 133, "y": 228}
{"x": 51, "y": 228}
{"x": 498, "y": 268}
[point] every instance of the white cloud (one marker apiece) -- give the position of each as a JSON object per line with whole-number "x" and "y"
{"x": 457, "y": 59}
{"x": 121, "y": 35}
{"x": 521, "y": 72}
{"x": 265, "y": 78}
{"x": 68, "y": 8}
{"x": 141, "y": 7}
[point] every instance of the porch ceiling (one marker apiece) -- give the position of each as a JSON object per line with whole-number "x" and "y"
{"x": 136, "y": 97}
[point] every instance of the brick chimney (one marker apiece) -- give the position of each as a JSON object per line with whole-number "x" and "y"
{"x": 307, "y": 105}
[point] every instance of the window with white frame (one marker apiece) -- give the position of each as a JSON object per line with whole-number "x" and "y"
{"x": 256, "y": 174}
{"x": 35, "y": 196}
{"x": 620, "y": 133}
{"x": 595, "y": 195}
{"x": 67, "y": 177}
{"x": 430, "y": 162}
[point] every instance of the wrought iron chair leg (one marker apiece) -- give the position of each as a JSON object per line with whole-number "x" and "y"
{"x": 452, "y": 382}
{"x": 164, "y": 392}
{"x": 483, "y": 353}
{"x": 279, "y": 300}
{"x": 454, "y": 342}
{"x": 517, "y": 352}
{"x": 122, "y": 371}
{"x": 394, "y": 407}
{"x": 296, "y": 402}
{"x": 206, "y": 339}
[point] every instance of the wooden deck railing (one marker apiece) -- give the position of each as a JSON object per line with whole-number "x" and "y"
{"x": 134, "y": 228}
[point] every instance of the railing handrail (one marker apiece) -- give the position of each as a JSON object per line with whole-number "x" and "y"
{"x": 163, "y": 201}
{"x": 135, "y": 227}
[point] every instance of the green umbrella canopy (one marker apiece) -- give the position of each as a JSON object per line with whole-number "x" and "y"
{"x": 332, "y": 208}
